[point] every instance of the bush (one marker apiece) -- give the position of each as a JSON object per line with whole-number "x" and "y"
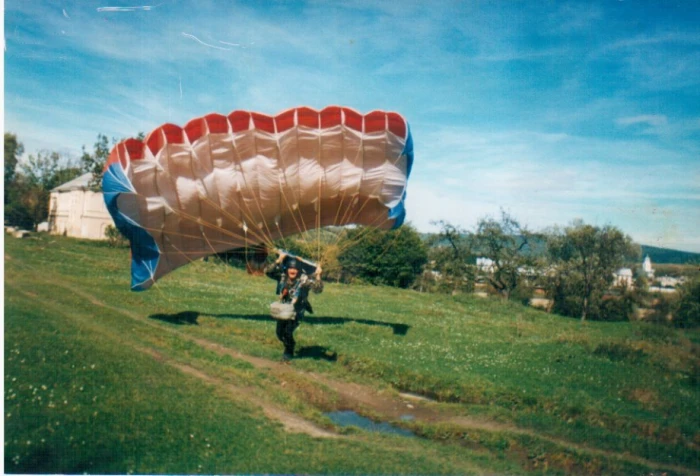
{"x": 522, "y": 293}
{"x": 616, "y": 308}
{"x": 687, "y": 312}
{"x": 394, "y": 257}
{"x": 115, "y": 239}
{"x": 662, "y": 309}
{"x": 617, "y": 351}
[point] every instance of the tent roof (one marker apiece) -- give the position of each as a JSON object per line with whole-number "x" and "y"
{"x": 78, "y": 183}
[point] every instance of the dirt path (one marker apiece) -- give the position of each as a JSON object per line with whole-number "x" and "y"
{"x": 351, "y": 396}
{"x": 291, "y": 422}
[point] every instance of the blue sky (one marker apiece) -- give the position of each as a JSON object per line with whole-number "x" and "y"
{"x": 551, "y": 110}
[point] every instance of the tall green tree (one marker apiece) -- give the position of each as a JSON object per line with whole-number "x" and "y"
{"x": 95, "y": 161}
{"x": 509, "y": 245}
{"x": 394, "y": 257}
{"x": 13, "y": 150}
{"x": 48, "y": 170}
{"x": 584, "y": 259}
{"x": 28, "y": 195}
{"x": 451, "y": 262}
{"x": 687, "y": 312}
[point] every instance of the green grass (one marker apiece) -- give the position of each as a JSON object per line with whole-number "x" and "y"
{"x": 91, "y": 383}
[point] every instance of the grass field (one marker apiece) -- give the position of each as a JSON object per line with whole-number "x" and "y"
{"x": 185, "y": 378}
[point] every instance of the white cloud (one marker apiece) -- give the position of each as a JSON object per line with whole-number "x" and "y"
{"x": 650, "y": 119}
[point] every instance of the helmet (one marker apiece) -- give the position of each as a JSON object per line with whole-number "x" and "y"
{"x": 292, "y": 263}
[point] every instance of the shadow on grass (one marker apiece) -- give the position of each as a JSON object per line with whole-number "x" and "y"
{"x": 317, "y": 352}
{"x": 181, "y": 318}
{"x": 397, "y": 329}
{"x": 190, "y": 318}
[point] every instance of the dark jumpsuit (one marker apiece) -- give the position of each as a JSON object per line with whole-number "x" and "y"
{"x": 288, "y": 290}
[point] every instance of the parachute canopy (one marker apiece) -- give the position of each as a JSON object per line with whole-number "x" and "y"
{"x": 225, "y": 182}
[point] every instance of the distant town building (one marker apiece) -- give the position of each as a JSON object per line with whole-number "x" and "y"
{"x": 646, "y": 266}
{"x": 623, "y": 277}
{"x": 670, "y": 281}
{"x": 485, "y": 264}
{"x": 77, "y": 211}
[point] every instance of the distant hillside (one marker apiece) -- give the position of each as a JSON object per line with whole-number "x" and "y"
{"x": 668, "y": 256}
{"x": 657, "y": 255}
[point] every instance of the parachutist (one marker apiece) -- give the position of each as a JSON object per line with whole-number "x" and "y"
{"x": 293, "y": 286}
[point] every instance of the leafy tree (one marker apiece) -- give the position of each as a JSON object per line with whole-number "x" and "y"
{"x": 95, "y": 162}
{"x": 28, "y": 195}
{"x": 687, "y": 313}
{"x": 48, "y": 170}
{"x": 13, "y": 150}
{"x": 509, "y": 246}
{"x": 394, "y": 257}
{"x": 585, "y": 258}
{"x": 451, "y": 262}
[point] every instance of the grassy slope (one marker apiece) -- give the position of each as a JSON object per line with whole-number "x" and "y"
{"x": 571, "y": 389}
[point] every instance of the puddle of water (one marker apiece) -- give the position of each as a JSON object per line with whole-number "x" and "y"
{"x": 350, "y": 418}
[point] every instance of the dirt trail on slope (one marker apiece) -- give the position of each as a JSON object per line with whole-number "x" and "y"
{"x": 360, "y": 398}
{"x": 291, "y": 422}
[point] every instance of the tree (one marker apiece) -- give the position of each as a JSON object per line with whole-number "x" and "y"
{"x": 510, "y": 247}
{"x": 48, "y": 170}
{"x": 585, "y": 258}
{"x": 13, "y": 150}
{"x": 27, "y": 202}
{"x": 687, "y": 312}
{"x": 394, "y": 257}
{"x": 96, "y": 161}
{"x": 451, "y": 262}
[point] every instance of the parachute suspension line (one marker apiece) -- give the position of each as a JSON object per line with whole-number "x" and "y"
{"x": 364, "y": 232}
{"x": 193, "y": 155}
{"x": 303, "y": 230}
{"x": 289, "y": 207}
{"x": 345, "y": 191}
{"x": 207, "y": 224}
{"x": 376, "y": 189}
{"x": 247, "y": 265}
{"x": 318, "y": 212}
{"x": 268, "y": 238}
{"x": 282, "y": 186}
{"x": 259, "y": 236}
{"x": 178, "y": 250}
{"x": 221, "y": 209}
{"x": 390, "y": 243}
{"x": 284, "y": 239}
{"x": 189, "y": 217}
{"x": 183, "y": 235}
{"x": 347, "y": 215}
{"x": 305, "y": 234}
{"x": 379, "y": 185}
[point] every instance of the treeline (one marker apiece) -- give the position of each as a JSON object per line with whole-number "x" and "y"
{"x": 572, "y": 268}
{"x": 28, "y": 183}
